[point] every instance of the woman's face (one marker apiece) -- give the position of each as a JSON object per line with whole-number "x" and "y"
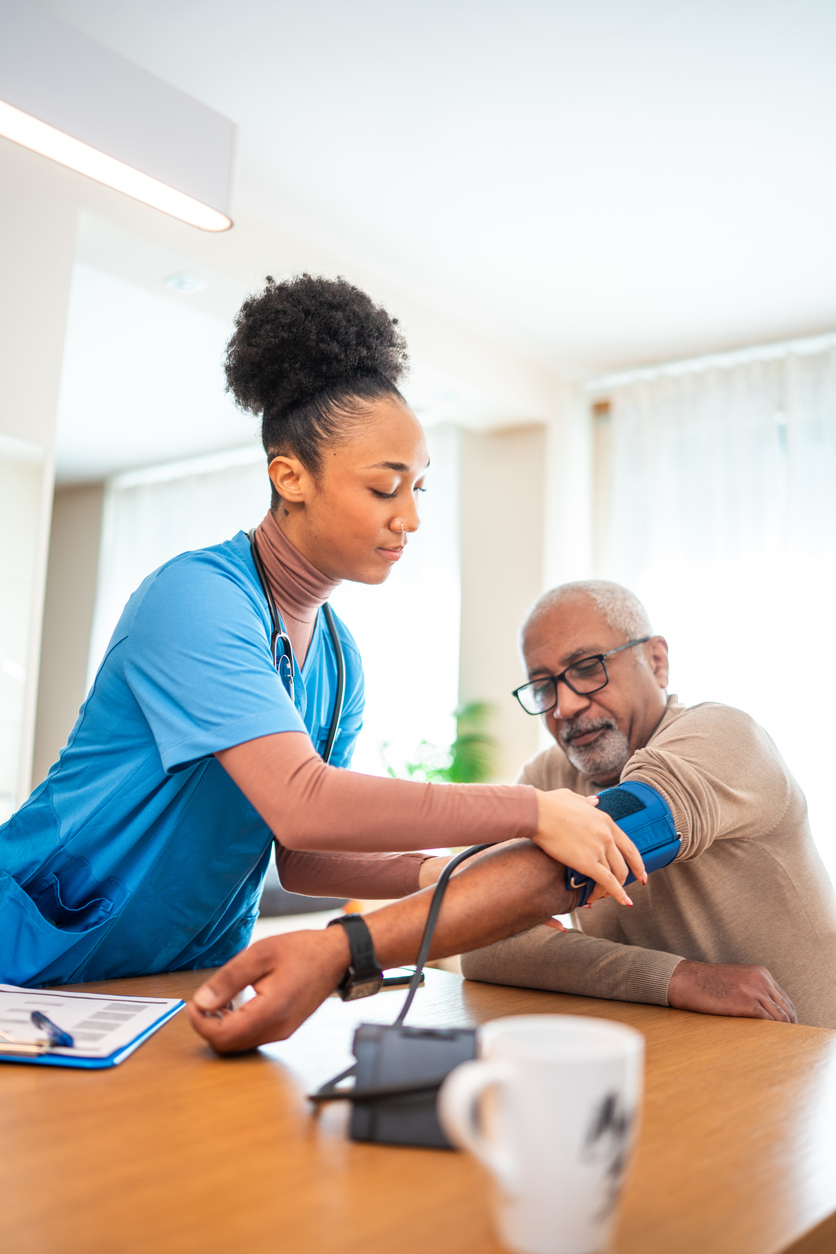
{"x": 352, "y": 520}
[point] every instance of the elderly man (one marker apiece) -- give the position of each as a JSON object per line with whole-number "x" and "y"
{"x": 743, "y": 921}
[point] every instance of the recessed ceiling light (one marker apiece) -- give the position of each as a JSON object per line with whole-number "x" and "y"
{"x": 185, "y": 281}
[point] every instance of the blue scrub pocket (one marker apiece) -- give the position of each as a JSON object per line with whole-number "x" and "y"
{"x": 77, "y": 901}
{"x": 36, "y": 950}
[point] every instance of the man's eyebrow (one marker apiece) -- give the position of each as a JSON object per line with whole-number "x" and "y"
{"x": 574, "y": 656}
{"x": 401, "y": 467}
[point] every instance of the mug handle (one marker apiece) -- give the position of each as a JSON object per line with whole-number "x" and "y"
{"x": 458, "y": 1112}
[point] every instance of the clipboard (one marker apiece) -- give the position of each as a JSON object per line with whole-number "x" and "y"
{"x": 106, "y": 1028}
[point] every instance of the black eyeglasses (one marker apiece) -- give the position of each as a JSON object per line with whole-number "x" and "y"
{"x": 583, "y": 677}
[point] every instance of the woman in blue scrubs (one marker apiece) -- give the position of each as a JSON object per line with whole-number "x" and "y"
{"x": 145, "y": 847}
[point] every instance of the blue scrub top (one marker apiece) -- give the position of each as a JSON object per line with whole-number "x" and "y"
{"x": 138, "y": 853}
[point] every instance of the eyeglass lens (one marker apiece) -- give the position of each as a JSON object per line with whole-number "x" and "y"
{"x": 541, "y": 694}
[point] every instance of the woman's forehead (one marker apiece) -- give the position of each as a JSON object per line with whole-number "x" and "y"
{"x": 391, "y": 438}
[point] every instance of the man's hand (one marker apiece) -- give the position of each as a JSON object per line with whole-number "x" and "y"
{"x": 507, "y": 889}
{"x": 729, "y": 988}
{"x": 291, "y": 974}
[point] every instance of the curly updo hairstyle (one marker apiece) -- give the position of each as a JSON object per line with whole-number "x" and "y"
{"x": 307, "y": 355}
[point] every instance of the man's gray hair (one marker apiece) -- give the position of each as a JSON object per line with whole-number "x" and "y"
{"x": 621, "y": 608}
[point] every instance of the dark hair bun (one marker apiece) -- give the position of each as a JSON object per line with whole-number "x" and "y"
{"x": 306, "y": 336}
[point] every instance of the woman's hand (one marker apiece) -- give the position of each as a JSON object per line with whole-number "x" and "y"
{"x": 573, "y": 831}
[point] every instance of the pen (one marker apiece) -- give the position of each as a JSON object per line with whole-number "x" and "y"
{"x": 57, "y": 1036}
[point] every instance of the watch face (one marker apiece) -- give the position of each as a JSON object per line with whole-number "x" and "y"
{"x": 363, "y": 988}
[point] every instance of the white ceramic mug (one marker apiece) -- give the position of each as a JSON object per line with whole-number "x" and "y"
{"x": 551, "y": 1108}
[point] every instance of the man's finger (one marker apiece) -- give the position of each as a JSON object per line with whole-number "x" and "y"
{"x": 245, "y": 968}
{"x": 784, "y": 1002}
{"x": 257, "y": 1020}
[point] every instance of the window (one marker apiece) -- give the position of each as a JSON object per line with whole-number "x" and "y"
{"x": 716, "y": 504}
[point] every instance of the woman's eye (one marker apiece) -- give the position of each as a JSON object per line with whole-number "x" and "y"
{"x": 417, "y": 489}
{"x": 385, "y": 496}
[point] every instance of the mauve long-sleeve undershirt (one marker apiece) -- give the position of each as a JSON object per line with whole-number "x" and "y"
{"x": 346, "y": 828}
{"x": 344, "y": 825}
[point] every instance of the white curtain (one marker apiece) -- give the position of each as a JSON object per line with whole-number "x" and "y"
{"x": 152, "y": 515}
{"x": 722, "y": 519}
{"x": 407, "y": 629}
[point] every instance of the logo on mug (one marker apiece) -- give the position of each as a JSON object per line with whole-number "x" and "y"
{"x": 607, "y": 1142}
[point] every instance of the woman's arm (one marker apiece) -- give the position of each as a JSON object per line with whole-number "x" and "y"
{"x": 375, "y": 875}
{"x": 308, "y": 805}
{"x": 505, "y": 891}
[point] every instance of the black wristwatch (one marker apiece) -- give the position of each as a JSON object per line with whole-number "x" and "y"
{"x": 364, "y": 977}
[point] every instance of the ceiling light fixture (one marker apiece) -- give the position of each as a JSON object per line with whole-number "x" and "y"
{"x": 185, "y": 281}
{"x": 49, "y": 142}
{"x": 70, "y": 99}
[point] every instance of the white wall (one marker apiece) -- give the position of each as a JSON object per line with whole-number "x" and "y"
{"x": 69, "y": 603}
{"x": 21, "y": 476}
{"x": 502, "y": 499}
{"x": 37, "y": 243}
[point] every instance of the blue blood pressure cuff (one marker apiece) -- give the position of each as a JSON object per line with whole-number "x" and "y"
{"x": 644, "y": 815}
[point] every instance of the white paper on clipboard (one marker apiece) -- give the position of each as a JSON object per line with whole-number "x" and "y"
{"x": 100, "y": 1024}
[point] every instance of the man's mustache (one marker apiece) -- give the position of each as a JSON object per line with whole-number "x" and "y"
{"x": 582, "y": 727}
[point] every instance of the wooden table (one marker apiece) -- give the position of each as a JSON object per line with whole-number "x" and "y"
{"x": 179, "y": 1152}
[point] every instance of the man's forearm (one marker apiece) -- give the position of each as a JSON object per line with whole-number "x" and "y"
{"x": 570, "y": 962}
{"x": 505, "y": 891}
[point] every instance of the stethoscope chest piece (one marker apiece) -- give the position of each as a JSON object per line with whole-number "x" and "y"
{"x": 283, "y": 662}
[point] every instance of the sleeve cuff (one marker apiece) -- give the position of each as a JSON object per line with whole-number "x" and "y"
{"x": 531, "y": 811}
{"x": 649, "y": 979}
{"x": 204, "y": 744}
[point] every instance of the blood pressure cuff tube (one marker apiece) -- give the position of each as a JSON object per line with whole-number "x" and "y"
{"x": 644, "y": 815}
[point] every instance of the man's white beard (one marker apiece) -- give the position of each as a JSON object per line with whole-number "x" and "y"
{"x": 604, "y": 758}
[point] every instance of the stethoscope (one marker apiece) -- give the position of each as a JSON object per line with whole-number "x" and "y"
{"x": 284, "y": 662}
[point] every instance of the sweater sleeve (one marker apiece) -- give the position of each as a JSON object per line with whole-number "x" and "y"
{"x": 719, "y": 772}
{"x": 570, "y": 962}
{"x": 375, "y": 875}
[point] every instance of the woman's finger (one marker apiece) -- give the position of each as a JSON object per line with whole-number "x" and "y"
{"x": 615, "y": 861}
{"x": 631, "y": 855}
{"x": 604, "y": 876}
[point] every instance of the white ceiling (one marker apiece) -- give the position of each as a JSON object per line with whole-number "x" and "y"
{"x": 597, "y": 183}
{"x": 142, "y": 380}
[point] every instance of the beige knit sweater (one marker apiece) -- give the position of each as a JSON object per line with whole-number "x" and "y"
{"x": 747, "y": 886}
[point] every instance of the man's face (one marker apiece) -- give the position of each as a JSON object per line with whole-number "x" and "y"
{"x": 598, "y": 732}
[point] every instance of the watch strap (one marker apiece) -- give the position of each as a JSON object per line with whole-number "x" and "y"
{"x": 363, "y": 963}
